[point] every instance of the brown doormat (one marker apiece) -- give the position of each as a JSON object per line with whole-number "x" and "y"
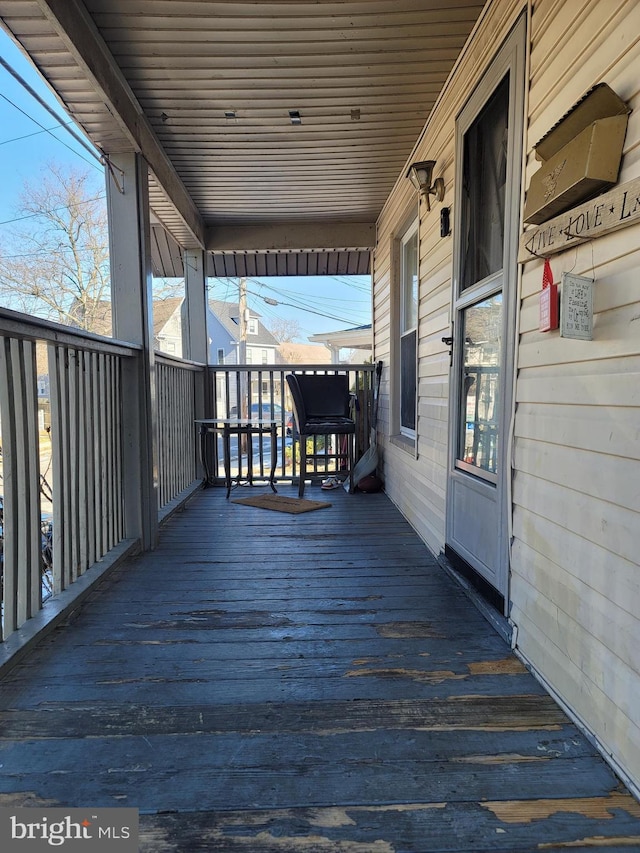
{"x": 280, "y": 503}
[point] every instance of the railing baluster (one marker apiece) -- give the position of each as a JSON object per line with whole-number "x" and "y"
{"x": 227, "y": 382}
{"x": 21, "y": 509}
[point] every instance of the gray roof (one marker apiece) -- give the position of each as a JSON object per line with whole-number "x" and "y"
{"x": 229, "y": 315}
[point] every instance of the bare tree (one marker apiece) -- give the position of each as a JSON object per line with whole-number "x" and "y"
{"x": 55, "y": 263}
{"x": 284, "y": 331}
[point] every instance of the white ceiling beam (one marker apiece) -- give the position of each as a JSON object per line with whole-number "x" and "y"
{"x": 79, "y": 34}
{"x": 291, "y": 237}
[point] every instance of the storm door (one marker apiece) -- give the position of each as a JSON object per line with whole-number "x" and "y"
{"x": 488, "y": 153}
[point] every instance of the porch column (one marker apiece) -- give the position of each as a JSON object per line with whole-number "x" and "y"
{"x": 195, "y": 334}
{"x": 195, "y": 329}
{"x": 131, "y": 297}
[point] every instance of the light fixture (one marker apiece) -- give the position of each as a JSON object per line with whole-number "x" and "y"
{"x": 421, "y": 176}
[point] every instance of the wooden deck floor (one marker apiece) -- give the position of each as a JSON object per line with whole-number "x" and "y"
{"x": 271, "y": 683}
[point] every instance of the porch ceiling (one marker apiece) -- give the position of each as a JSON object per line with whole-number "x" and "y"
{"x": 205, "y": 88}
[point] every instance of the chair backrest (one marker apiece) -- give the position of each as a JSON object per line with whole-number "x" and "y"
{"x": 317, "y": 395}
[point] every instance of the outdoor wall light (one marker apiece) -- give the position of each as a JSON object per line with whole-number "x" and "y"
{"x": 421, "y": 176}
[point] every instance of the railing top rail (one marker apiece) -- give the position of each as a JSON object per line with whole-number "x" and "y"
{"x": 176, "y": 361}
{"x": 17, "y": 325}
{"x": 332, "y": 368}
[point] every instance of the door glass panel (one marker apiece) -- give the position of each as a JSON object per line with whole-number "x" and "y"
{"x": 483, "y": 190}
{"x": 481, "y": 354}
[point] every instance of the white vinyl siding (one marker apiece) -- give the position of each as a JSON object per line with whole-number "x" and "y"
{"x": 575, "y": 592}
{"x": 574, "y": 558}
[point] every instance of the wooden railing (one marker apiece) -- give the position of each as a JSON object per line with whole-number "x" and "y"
{"x": 75, "y": 441}
{"x": 176, "y": 410}
{"x": 261, "y": 391}
{"x": 63, "y": 487}
{"x": 86, "y": 449}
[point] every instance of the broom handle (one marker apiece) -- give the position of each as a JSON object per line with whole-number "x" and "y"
{"x": 377, "y": 397}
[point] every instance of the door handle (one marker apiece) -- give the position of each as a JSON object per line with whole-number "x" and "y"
{"x": 448, "y": 341}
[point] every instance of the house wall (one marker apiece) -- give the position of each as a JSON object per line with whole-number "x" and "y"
{"x": 169, "y": 338}
{"x": 576, "y": 502}
{"x": 575, "y": 573}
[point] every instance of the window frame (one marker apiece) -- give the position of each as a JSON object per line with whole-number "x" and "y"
{"x": 410, "y": 233}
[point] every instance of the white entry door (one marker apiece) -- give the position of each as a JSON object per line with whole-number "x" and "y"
{"x": 488, "y": 153}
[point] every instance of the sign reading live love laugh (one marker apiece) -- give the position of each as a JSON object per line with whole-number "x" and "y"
{"x": 608, "y": 212}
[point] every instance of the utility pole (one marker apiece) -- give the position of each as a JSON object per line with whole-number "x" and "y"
{"x": 242, "y": 307}
{"x": 242, "y": 349}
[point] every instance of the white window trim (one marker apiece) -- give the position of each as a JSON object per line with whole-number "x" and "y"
{"x": 411, "y": 232}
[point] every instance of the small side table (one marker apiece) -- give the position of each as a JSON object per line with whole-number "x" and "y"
{"x": 226, "y": 427}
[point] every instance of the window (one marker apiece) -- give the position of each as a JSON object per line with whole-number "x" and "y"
{"x": 252, "y": 326}
{"x": 265, "y": 356}
{"x": 408, "y": 329}
{"x": 220, "y": 356}
{"x": 479, "y": 305}
{"x": 483, "y": 189}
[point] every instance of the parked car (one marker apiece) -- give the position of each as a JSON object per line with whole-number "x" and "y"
{"x": 267, "y": 410}
{"x": 260, "y": 410}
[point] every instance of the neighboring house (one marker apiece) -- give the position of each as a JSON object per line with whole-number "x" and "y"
{"x": 512, "y": 450}
{"x": 347, "y": 345}
{"x": 167, "y": 325}
{"x": 290, "y": 352}
{"x": 225, "y": 336}
{"x": 224, "y": 349}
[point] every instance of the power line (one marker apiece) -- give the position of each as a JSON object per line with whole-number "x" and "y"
{"x": 61, "y": 250}
{"x": 35, "y": 133}
{"x": 301, "y": 306}
{"x": 53, "y": 210}
{"x": 35, "y": 121}
{"x": 318, "y": 300}
{"x": 303, "y": 302}
{"x": 51, "y": 112}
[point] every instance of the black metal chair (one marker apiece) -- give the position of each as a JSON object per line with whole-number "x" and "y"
{"x": 322, "y": 405}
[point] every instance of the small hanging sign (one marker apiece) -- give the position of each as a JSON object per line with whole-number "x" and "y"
{"x": 577, "y": 307}
{"x": 548, "y": 300}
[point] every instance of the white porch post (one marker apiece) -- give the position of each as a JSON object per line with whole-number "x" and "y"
{"x": 195, "y": 334}
{"x": 131, "y": 296}
{"x": 195, "y": 327}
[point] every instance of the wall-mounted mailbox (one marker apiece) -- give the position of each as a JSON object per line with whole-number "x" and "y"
{"x": 581, "y": 155}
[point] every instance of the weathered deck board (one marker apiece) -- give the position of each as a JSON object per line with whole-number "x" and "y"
{"x": 269, "y": 683}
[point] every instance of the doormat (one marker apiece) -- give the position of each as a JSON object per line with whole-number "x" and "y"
{"x": 280, "y": 503}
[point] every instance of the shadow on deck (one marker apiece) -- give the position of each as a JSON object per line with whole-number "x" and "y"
{"x": 301, "y": 684}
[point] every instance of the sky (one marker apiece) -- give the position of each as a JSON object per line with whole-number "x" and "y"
{"x": 30, "y": 138}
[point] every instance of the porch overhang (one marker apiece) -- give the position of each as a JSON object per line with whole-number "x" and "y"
{"x": 271, "y": 129}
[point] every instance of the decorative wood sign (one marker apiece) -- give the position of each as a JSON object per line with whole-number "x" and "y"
{"x": 606, "y": 213}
